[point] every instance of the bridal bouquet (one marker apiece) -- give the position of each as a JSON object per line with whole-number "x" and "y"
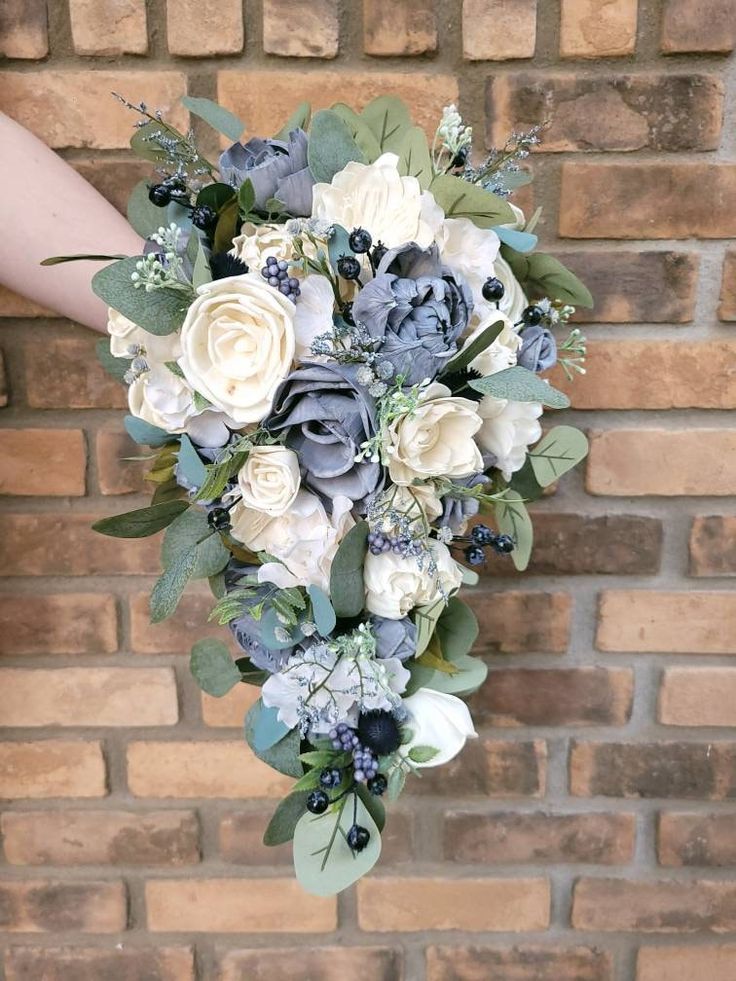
{"x": 333, "y": 343}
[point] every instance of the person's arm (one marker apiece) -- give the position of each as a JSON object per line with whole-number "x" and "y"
{"x": 47, "y": 209}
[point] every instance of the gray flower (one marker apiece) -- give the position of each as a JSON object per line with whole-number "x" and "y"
{"x": 246, "y": 629}
{"x": 328, "y": 416}
{"x": 417, "y": 310}
{"x": 458, "y": 510}
{"x": 538, "y": 349}
{"x": 277, "y": 169}
{"x": 394, "y": 638}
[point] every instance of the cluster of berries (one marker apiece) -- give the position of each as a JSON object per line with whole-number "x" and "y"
{"x": 174, "y": 189}
{"x": 482, "y": 537}
{"x": 378, "y": 543}
{"x": 276, "y": 273}
{"x": 365, "y": 762}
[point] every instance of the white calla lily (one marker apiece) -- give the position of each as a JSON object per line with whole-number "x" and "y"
{"x": 438, "y": 720}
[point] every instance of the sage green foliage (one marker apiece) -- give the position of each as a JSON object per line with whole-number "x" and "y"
{"x": 323, "y": 611}
{"x": 559, "y": 451}
{"x": 212, "y": 667}
{"x": 281, "y": 826}
{"x": 160, "y": 312}
{"x": 143, "y": 215}
{"x": 425, "y": 618}
{"x": 388, "y": 119}
{"x": 145, "y": 434}
{"x": 214, "y": 115}
{"x": 201, "y": 272}
{"x": 331, "y": 146}
{"x": 141, "y": 145}
{"x": 116, "y": 367}
{"x": 520, "y": 385}
{"x": 469, "y": 352}
{"x": 142, "y": 522}
{"x": 457, "y": 630}
{"x": 190, "y": 462}
{"x": 347, "y": 591}
{"x": 374, "y": 805}
{"x": 422, "y": 754}
{"x": 57, "y": 260}
{"x": 543, "y": 275}
{"x": 299, "y": 119}
{"x": 170, "y": 585}
{"x": 283, "y": 755}
{"x": 359, "y": 130}
{"x": 189, "y": 532}
{"x": 513, "y": 519}
{"x": 461, "y": 199}
{"x": 414, "y": 157}
{"x": 265, "y": 727}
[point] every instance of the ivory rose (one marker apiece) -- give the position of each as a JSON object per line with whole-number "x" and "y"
{"x": 124, "y": 334}
{"x": 269, "y": 480}
{"x": 395, "y": 584}
{"x": 507, "y": 429}
{"x": 165, "y": 400}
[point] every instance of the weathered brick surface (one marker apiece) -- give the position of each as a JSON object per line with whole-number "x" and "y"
{"x": 490, "y": 768}
{"x": 116, "y": 472}
{"x": 45, "y": 906}
{"x": 66, "y": 623}
{"x": 708, "y": 26}
{"x": 713, "y": 546}
{"x": 23, "y": 31}
{"x": 42, "y": 462}
{"x": 654, "y": 907}
{"x": 407, "y": 28}
{"x": 679, "y": 963}
{"x": 696, "y": 839}
{"x": 108, "y": 27}
{"x": 229, "y": 710}
{"x": 301, "y": 29}
{"x": 698, "y": 697}
{"x": 516, "y": 622}
{"x": 124, "y": 963}
{"x": 519, "y": 963}
{"x": 52, "y": 768}
{"x": 65, "y": 374}
{"x": 198, "y": 28}
{"x": 598, "y": 28}
{"x": 174, "y": 636}
{"x": 671, "y": 623}
{"x": 499, "y": 30}
{"x": 727, "y": 309}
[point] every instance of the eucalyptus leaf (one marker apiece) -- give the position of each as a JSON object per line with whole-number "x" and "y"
{"x": 470, "y": 576}
{"x": 520, "y": 385}
{"x": 414, "y": 158}
{"x": 170, "y": 585}
{"x": 457, "y": 629}
{"x": 396, "y": 781}
{"x": 216, "y": 116}
{"x": 283, "y": 755}
{"x": 347, "y": 590}
{"x": 271, "y": 627}
{"x": 331, "y": 146}
{"x": 470, "y": 674}
{"x": 57, "y": 260}
{"x": 143, "y": 215}
{"x": 521, "y": 241}
{"x": 425, "y": 618}
{"x": 141, "y": 523}
{"x": 469, "y": 352}
{"x": 160, "y": 312}
{"x": 264, "y": 726}
{"x": 460, "y": 199}
{"x": 299, "y": 119}
{"x": 323, "y": 611}
{"x": 201, "y": 272}
{"x": 143, "y": 146}
{"x": 190, "y": 532}
{"x": 559, "y": 451}
{"x": 388, "y": 119}
{"x": 542, "y": 275}
{"x": 212, "y": 667}
{"x": 513, "y": 519}
{"x": 116, "y": 367}
{"x": 281, "y": 826}
{"x": 525, "y": 483}
{"x": 338, "y": 245}
{"x": 190, "y": 463}
{"x": 374, "y": 806}
{"x": 145, "y": 434}
{"x": 359, "y": 130}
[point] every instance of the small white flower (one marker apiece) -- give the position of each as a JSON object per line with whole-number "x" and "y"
{"x": 503, "y": 352}
{"x": 163, "y": 399}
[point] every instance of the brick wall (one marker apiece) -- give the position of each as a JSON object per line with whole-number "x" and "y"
{"x": 590, "y": 834}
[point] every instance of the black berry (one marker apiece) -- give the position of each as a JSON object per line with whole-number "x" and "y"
{"x": 330, "y": 779}
{"x": 318, "y": 802}
{"x": 204, "y": 217}
{"x": 358, "y": 838}
{"x": 482, "y": 535}
{"x": 219, "y": 519}
{"x": 493, "y": 290}
{"x": 475, "y": 555}
{"x": 377, "y": 785}
{"x": 532, "y": 316}
{"x": 503, "y": 544}
{"x": 379, "y": 731}
{"x": 360, "y": 240}
{"x": 160, "y": 195}
{"x": 348, "y": 267}
{"x": 379, "y": 251}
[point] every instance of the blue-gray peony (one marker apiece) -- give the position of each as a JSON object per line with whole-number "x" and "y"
{"x": 276, "y": 169}
{"x": 246, "y": 629}
{"x": 538, "y": 349}
{"x": 394, "y": 638}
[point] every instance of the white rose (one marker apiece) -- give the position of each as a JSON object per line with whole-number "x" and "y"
{"x": 238, "y": 344}
{"x": 376, "y": 197}
{"x": 257, "y": 242}
{"x": 395, "y": 584}
{"x": 125, "y": 334}
{"x": 305, "y": 539}
{"x": 436, "y": 439}
{"x": 503, "y": 352}
{"x": 313, "y": 314}
{"x": 269, "y": 480}
{"x": 438, "y": 720}
{"x": 508, "y": 429}
{"x": 163, "y": 399}
{"x": 468, "y": 251}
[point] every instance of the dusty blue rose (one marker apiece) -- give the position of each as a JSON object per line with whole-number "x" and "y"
{"x": 538, "y": 349}
{"x": 394, "y": 638}
{"x": 246, "y": 629}
{"x": 458, "y": 510}
{"x": 276, "y": 169}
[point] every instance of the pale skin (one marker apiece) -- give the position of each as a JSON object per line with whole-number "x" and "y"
{"x": 47, "y": 209}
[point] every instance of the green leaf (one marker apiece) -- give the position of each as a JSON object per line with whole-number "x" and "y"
{"x": 460, "y": 199}
{"x": 414, "y": 158}
{"x": 141, "y": 523}
{"x": 57, "y": 260}
{"x": 359, "y": 130}
{"x": 457, "y": 629}
{"x": 216, "y": 195}
{"x": 388, "y": 119}
{"x": 323, "y": 861}
{"x": 190, "y": 462}
{"x": 160, "y": 312}
{"x": 246, "y": 197}
{"x": 546, "y": 276}
{"x": 212, "y": 667}
{"x": 323, "y": 611}
{"x": 347, "y": 590}
{"x": 470, "y": 674}
{"x": 217, "y": 117}
{"x": 396, "y": 781}
{"x": 170, "y": 585}
{"x": 470, "y": 576}
{"x": 112, "y": 365}
{"x": 145, "y": 148}
{"x": 264, "y": 727}
{"x": 144, "y": 216}
{"x": 559, "y": 451}
{"x": 186, "y": 534}
{"x": 520, "y": 385}
{"x": 469, "y": 352}
{"x": 374, "y": 806}
{"x": 422, "y": 754}
{"x": 270, "y": 624}
{"x": 331, "y": 146}
{"x": 227, "y": 226}
{"x": 338, "y": 245}
{"x": 145, "y": 434}
{"x": 299, "y": 119}
{"x": 308, "y": 781}
{"x": 281, "y": 826}
{"x": 425, "y": 618}
{"x": 525, "y": 483}
{"x": 319, "y": 758}
{"x": 513, "y": 519}
{"x": 521, "y": 241}
{"x": 283, "y": 755}
{"x": 201, "y": 272}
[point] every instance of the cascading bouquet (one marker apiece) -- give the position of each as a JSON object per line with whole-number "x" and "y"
{"x": 333, "y": 343}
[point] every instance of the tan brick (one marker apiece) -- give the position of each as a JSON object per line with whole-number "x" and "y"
{"x": 707, "y": 26}
{"x": 571, "y": 697}
{"x": 518, "y": 964}
{"x": 661, "y": 462}
{"x": 14, "y": 305}
{"x": 685, "y": 963}
{"x": 225, "y": 905}
{"x": 88, "y": 697}
{"x": 116, "y": 474}
{"x": 408, "y": 28}
{"x": 267, "y": 98}
{"x": 489, "y": 768}
{"x": 42, "y": 462}
{"x": 176, "y": 635}
{"x": 75, "y": 108}
{"x": 514, "y": 622}
{"x": 325, "y": 963}
{"x": 108, "y": 27}
{"x": 727, "y": 309}
{"x": 654, "y": 907}
{"x": 114, "y": 179}
{"x": 52, "y": 768}
{"x": 66, "y": 623}
{"x": 23, "y": 30}
{"x": 598, "y": 28}
{"x": 4, "y": 392}
{"x": 199, "y": 28}
{"x": 407, "y": 904}
{"x": 499, "y": 30}
{"x": 696, "y": 839}
{"x": 301, "y": 28}
{"x": 45, "y": 906}
{"x": 616, "y": 112}
{"x": 65, "y": 545}
{"x": 229, "y": 711}
{"x": 121, "y": 962}
{"x": 511, "y": 838}
{"x": 698, "y": 697}
{"x": 648, "y": 200}
{"x": 191, "y": 769}
{"x": 670, "y": 623}
{"x": 65, "y": 374}
{"x": 713, "y": 546}
{"x": 692, "y": 771}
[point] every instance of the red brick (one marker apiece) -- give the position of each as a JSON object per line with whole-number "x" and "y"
{"x": 23, "y": 31}
{"x": 65, "y": 545}
{"x": 65, "y": 374}
{"x": 691, "y": 771}
{"x": 648, "y": 200}
{"x": 325, "y": 963}
{"x": 116, "y": 474}
{"x": 598, "y": 28}
{"x": 489, "y": 768}
{"x": 88, "y": 697}
{"x": 14, "y": 305}
{"x": 174, "y": 636}
{"x": 511, "y": 838}
{"x": 707, "y": 26}
{"x": 229, "y": 710}
{"x": 696, "y": 839}
{"x": 727, "y": 309}
{"x": 619, "y": 112}
{"x": 499, "y": 30}
{"x": 686, "y": 963}
{"x": 75, "y": 109}
{"x": 121, "y": 962}
{"x": 42, "y": 462}
{"x": 101, "y": 837}
{"x": 226, "y": 905}
{"x": 199, "y": 28}
{"x": 402, "y": 905}
{"x": 44, "y": 906}
{"x": 514, "y": 622}
{"x": 408, "y": 28}
{"x": 301, "y": 28}
{"x": 52, "y": 768}
{"x": 662, "y": 462}
{"x": 518, "y": 964}
{"x": 114, "y": 179}
{"x": 571, "y": 697}
{"x": 108, "y": 27}
{"x": 654, "y": 907}
{"x": 66, "y": 623}
{"x": 698, "y": 697}
{"x": 713, "y": 546}
{"x": 668, "y": 623}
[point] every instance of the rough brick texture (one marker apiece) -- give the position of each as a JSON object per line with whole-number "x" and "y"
{"x": 594, "y": 813}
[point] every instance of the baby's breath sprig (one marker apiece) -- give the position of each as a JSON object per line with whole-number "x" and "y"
{"x": 500, "y": 171}
{"x": 452, "y": 141}
{"x": 575, "y": 345}
{"x": 164, "y": 269}
{"x": 396, "y": 401}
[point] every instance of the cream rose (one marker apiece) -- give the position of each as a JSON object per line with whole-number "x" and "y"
{"x": 376, "y": 197}
{"x": 395, "y": 584}
{"x": 436, "y": 439}
{"x": 124, "y": 335}
{"x": 257, "y": 242}
{"x": 269, "y": 480}
{"x": 468, "y": 251}
{"x": 165, "y": 400}
{"x": 503, "y": 352}
{"x": 507, "y": 430}
{"x": 238, "y": 344}
{"x": 438, "y": 720}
